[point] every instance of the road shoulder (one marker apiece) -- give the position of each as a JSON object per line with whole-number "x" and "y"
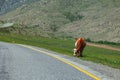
{"x": 99, "y": 70}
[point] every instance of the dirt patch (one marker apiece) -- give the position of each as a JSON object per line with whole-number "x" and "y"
{"x": 103, "y": 46}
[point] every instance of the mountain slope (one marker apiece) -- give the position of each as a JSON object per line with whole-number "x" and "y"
{"x": 8, "y": 5}
{"x": 94, "y": 19}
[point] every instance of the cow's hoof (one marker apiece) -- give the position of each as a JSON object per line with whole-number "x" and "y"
{"x": 81, "y": 55}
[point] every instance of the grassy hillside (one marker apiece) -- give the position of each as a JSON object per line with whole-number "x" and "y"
{"x": 94, "y": 19}
{"x": 98, "y": 55}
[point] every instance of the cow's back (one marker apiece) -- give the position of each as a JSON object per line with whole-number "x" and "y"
{"x": 80, "y": 44}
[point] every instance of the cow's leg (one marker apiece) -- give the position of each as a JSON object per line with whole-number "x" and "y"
{"x": 78, "y": 54}
{"x": 81, "y": 55}
{"x": 81, "y": 52}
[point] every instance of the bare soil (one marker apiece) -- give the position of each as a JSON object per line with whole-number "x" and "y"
{"x": 104, "y": 46}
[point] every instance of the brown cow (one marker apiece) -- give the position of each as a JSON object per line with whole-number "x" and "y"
{"x": 79, "y": 47}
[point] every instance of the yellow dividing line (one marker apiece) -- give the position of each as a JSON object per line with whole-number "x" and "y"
{"x": 65, "y": 61}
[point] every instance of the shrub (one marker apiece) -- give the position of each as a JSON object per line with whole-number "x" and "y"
{"x": 88, "y": 40}
{"x": 72, "y": 17}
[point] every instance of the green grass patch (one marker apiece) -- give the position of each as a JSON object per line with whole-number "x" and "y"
{"x": 104, "y": 56}
{"x": 65, "y": 46}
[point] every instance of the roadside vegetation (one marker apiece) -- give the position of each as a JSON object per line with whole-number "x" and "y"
{"x": 65, "y": 46}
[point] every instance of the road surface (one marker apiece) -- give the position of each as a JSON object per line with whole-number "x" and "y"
{"x": 21, "y": 63}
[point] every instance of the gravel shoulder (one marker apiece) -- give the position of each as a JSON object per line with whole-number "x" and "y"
{"x": 105, "y": 72}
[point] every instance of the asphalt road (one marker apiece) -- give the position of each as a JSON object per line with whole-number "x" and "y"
{"x": 20, "y": 63}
